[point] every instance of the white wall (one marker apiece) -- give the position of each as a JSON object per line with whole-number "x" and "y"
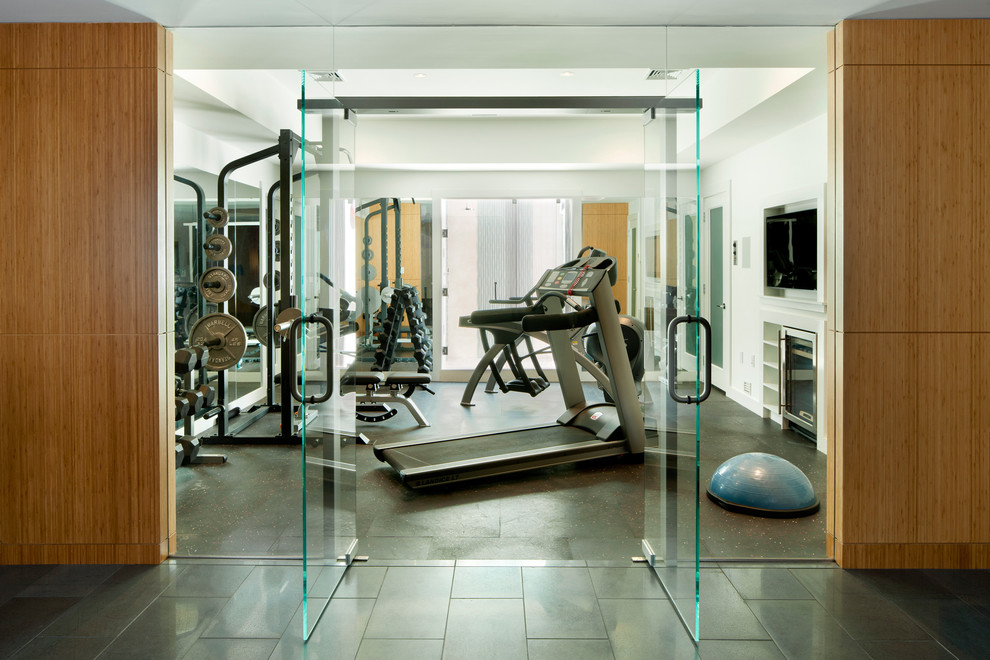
{"x": 793, "y": 160}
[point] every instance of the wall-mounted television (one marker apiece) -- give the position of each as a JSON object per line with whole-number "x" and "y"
{"x": 791, "y": 250}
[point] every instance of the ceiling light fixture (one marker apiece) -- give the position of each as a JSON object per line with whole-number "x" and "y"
{"x": 567, "y": 74}
{"x": 326, "y": 76}
{"x": 419, "y": 75}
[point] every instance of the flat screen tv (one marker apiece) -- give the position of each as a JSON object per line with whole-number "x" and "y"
{"x": 792, "y": 250}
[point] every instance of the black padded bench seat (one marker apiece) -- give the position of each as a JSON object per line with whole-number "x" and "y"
{"x": 376, "y": 389}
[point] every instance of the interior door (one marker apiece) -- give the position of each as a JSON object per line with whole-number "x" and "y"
{"x": 671, "y": 242}
{"x": 715, "y": 284}
{"x": 323, "y": 263}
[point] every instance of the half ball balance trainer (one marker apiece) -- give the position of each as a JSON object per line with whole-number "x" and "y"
{"x": 585, "y": 431}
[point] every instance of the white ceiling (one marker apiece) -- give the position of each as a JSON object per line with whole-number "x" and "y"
{"x": 187, "y": 13}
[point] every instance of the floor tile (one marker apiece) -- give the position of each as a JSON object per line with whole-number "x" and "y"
{"x": 821, "y": 582}
{"x": 902, "y": 583}
{"x": 766, "y": 583}
{"x": 871, "y": 616}
{"x": 953, "y": 623}
{"x": 262, "y": 606}
{"x": 633, "y": 582}
{"x": 912, "y": 650}
{"x": 715, "y": 649}
{"x": 642, "y": 628}
{"x": 484, "y": 628}
{"x": 500, "y": 548}
{"x": 337, "y": 634}
{"x": 407, "y": 649}
{"x": 962, "y": 582}
{"x": 208, "y": 581}
{"x": 113, "y": 605}
{"x": 358, "y": 582}
{"x": 63, "y": 648}
{"x": 231, "y": 649}
{"x": 487, "y": 582}
{"x": 70, "y": 581}
{"x": 14, "y": 579}
{"x": 168, "y": 628}
{"x": 802, "y": 629}
{"x": 570, "y": 649}
{"x": 561, "y": 603}
{"x": 412, "y": 604}
{"x": 23, "y": 618}
{"x": 724, "y": 614}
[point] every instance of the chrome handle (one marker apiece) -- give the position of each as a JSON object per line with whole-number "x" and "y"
{"x": 672, "y": 359}
{"x": 721, "y": 305}
{"x": 293, "y": 388}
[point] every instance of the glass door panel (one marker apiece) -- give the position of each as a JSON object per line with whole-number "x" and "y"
{"x": 323, "y": 246}
{"x": 668, "y": 296}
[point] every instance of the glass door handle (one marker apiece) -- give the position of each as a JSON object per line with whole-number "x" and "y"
{"x": 672, "y": 359}
{"x": 293, "y": 388}
{"x": 721, "y": 305}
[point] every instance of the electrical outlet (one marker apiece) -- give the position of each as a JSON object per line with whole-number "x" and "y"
{"x": 752, "y": 360}
{"x": 747, "y": 387}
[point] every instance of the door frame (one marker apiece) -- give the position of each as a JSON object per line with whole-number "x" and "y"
{"x": 720, "y": 198}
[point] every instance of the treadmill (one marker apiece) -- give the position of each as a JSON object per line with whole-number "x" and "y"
{"x": 585, "y": 431}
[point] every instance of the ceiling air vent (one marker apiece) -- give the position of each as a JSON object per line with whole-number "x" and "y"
{"x": 663, "y": 74}
{"x": 326, "y": 76}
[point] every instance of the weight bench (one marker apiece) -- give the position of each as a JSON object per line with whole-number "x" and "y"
{"x": 376, "y": 390}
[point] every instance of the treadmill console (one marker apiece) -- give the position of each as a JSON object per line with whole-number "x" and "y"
{"x": 577, "y": 278}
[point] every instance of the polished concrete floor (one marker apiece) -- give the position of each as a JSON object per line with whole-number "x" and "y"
{"x": 250, "y": 505}
{"x": 569, "y": 610}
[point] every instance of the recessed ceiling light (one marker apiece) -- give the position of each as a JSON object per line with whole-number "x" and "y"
{"x": 567, "y": 74}
{"x": 419, "y": 75}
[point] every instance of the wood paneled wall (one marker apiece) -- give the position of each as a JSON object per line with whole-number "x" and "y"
{"x": 909, "y": 283}
{"x": 606, "y": 227}
{"x": 85, "y": 294}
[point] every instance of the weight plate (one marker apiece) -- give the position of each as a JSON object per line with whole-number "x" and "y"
{"x": 367, "y": 240}
{"x": 263, "y": 328}
{"x": 367, "y": 254}
{"x": 216, "y": 217}
{"x": 217, "y": 247}
{"x": 217, "y": 285}
{"x": 284, "y": 320}
{"x": 370, "y": 299}
{"x": 368, "y": 272}
{"x": 223, "y": 336}
{"x": 278, "y": 281}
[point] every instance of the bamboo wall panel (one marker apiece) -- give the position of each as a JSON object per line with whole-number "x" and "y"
{"x": 915, "y": 555}
{"x": 605, "y": 226}
{"x": 913, "y": 42}
{"x": 879, "y": 448}
{"x": 82, "y": 461}
{"x": 82, "y": 46}
{"x": 914, "y": 191}
{"x": 86, "y": 265}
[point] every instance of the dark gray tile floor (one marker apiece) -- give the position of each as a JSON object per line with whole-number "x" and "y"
{"x": 585, "y": 512}
{"x": 537, "y": 610}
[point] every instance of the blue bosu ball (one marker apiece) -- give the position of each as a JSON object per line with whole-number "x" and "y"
{"x": 762, "y": 485}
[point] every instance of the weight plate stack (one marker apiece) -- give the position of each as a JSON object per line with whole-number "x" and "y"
{"x": 216, "y": 217}
{"x": 217, "y": 247}
{"x": 217, "y": 285}
{"x": 223, "y": 336}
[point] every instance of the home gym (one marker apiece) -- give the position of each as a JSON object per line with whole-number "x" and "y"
{"x": 475, "y": 337}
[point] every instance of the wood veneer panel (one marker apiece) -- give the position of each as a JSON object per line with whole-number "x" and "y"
{"x": 82, "y": 460}
{"x": 147, "y": 553}
{"x": 913, "y": 555}
{"x": 952, "y": 475}
{"x": 916, "y": 159}
{"x": 108, "y": 169}
{"x": 914, "y": 42}
{"x": 82, "y": 45}
{"x": 877, "y": 467}
{"x": 605, "y": 226}
{"x": 30, "y": 200}
{"x": 832, "y": 491}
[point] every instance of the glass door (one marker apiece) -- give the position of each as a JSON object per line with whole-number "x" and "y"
{"x": 323, "y": 284}
{"x": 670, "y": 242}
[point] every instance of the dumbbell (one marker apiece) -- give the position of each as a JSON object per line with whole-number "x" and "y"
{"x": 209, "y": 394}
{"x": 186, "y": 361}
{"x": 195, "y": 398}
{"x": 182, "y": 408}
